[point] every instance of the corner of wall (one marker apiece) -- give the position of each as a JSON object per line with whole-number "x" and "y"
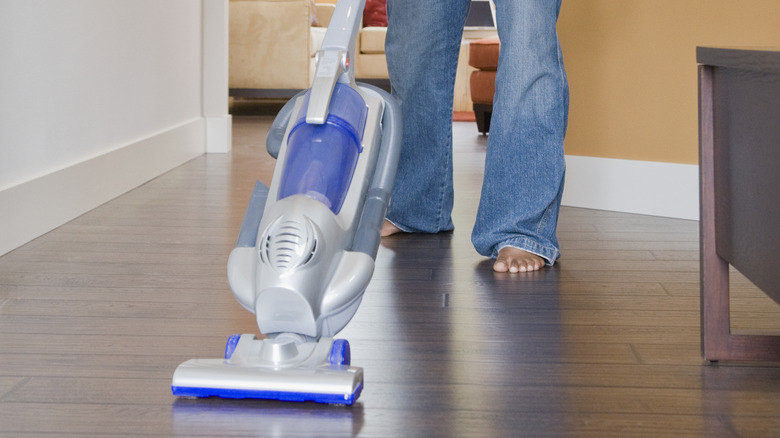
{"x": 219, "y": 134}
{"x": 215, "y": 76}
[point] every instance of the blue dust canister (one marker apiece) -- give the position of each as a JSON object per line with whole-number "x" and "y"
{"x": 321, "y": 159}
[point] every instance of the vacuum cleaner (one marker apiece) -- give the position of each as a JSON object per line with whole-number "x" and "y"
{"x": 306, "y": 249}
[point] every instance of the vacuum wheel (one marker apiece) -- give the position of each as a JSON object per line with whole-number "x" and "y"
{"x": 340, "y": 353}
{"x": 230, "y": 347}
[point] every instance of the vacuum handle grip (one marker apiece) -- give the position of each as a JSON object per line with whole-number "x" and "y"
{"x": 330, "y": 65}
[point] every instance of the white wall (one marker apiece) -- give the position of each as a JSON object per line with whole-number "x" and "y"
{"x": 98, "y": 97}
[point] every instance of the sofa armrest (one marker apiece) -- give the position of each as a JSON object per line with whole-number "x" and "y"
{"x": 270, "y": 44}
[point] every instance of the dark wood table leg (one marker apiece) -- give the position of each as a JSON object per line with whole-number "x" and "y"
{"x": 715, "y": 321}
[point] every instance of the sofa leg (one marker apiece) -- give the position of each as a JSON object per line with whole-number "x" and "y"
{"x": 483, "y": 111}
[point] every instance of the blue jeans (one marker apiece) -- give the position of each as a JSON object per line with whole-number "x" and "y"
{"x": 524, "y": 167}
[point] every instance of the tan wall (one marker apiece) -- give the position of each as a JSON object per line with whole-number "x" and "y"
{"x": 632, "y": 70}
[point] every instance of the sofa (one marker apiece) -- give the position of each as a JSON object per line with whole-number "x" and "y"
{"x": 273, "y": 43}
{"x": 370, "y": 62}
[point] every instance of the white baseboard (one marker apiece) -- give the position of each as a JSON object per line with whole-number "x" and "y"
{"x": 641, "y": 187}
{"x": 219, "y": 134}
{"x": 38, "y": 206}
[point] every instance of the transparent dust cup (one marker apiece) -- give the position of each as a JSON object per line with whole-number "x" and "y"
{"x": 321, "y": 159}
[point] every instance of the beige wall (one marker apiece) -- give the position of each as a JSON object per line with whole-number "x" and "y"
{"x": 632, "y": 70}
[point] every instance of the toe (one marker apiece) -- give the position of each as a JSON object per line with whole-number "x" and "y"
{"x": 500, "y": 266}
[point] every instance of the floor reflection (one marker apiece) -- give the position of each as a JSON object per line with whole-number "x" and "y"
{"x": 210, "y": 416}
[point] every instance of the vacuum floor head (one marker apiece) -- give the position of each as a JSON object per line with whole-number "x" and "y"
{"x": 279, "y": 369}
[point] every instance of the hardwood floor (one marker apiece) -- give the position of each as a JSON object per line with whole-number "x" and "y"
{"x": 95, "y": 316}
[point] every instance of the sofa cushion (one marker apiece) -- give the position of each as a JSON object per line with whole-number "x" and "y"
{"x": 371, "y": 66}
{"x": 375, "y": 13}
{"x": 483, "y": 53}
{"x": 317, "y": 36}
{"x": 323, "y": 12}
{"x": 372, "y": 39}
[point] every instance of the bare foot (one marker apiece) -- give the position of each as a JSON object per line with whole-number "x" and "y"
{"x": 511, "y": 259}
{"x": 388, "y": 229}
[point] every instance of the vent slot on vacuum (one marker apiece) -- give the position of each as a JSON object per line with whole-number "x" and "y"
{"x": 288, "y": 243}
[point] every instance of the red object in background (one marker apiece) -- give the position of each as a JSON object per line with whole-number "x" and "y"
{"x": 375, "y": 13}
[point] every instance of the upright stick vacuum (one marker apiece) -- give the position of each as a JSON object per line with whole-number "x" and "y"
{"x": 305, "y": 253}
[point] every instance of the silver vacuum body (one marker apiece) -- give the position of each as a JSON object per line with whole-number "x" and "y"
{"x": 301, "y": 274}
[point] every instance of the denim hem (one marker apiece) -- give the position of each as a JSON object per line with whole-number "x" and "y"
{"x": 549, "y": 253}
{"x": 399, "y": 226}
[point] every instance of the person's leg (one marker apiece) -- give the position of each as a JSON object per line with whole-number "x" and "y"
{"x": 422, "y": 46}
{"x": 524, "y": 168}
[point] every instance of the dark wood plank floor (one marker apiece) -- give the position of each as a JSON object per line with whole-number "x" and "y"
{"x": 95, "y": 316}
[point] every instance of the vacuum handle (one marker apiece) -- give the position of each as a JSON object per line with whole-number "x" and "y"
{"x": 335, "y": 58}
